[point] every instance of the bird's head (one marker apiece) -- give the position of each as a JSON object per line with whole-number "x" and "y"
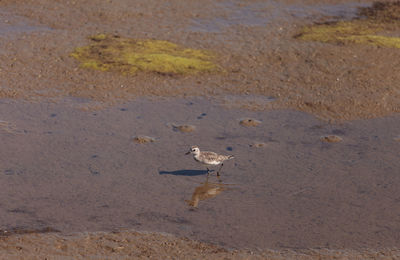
{"x": 194, "y": 150}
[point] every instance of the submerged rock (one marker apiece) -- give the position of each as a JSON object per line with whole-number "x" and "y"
{"x": 249, "y": 122}
{"x": 183, "y": 128}
{"x": 143, "y": 139}
{"x": 258, "y": 145}
{"x": 331, "y": 138}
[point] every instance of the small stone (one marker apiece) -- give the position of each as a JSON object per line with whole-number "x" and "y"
{"x": 184, "y": 128}
{"x": 9, "y": 172}
{"x": 249, "y": 122}
{"x": 143, "y": 139}
{"x": 258, "y": 145}
{"x": 331, "y": 138}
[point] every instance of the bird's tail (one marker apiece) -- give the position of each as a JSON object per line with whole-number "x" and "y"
{"x": 230, "y": 157}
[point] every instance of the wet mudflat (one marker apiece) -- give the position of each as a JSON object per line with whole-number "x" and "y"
{"x": 260, "y": 48}
{"x": 75, "y": 170}
{"x": 100, "y": 100}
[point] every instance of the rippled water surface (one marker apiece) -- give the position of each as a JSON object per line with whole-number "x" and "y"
{"x": 74, "y": 170}
{"x": 263, "y": 13}
{"x": 11, "y": 25}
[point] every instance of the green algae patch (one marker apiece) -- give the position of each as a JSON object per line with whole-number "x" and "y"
{"x": 129, "y": 56}
{"x": 381, "y": 17}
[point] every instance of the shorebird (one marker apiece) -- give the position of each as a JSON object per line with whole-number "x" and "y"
{"x": 209, "y": 158}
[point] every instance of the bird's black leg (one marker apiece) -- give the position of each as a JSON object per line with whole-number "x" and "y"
{"x": 219, "y": 169}
{"x": 208, "y": 172}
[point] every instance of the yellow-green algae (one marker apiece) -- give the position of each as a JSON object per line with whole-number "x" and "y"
{"x": 380, "y": 17}
{"x": 115, "y": 53}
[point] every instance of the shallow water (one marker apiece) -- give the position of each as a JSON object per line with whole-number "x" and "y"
{"x": 344, "y": 11}
{"x": 75, "y": 170}
{"x": 254, "y": 14}
{"x": 11, "y": 25}
{"x": 263, "y": 13}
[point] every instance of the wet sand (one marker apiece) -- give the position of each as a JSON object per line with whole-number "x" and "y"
{"x": 255, "y": 42}
{"x": 71, "y": 160}
{"x": 139, "y": 245}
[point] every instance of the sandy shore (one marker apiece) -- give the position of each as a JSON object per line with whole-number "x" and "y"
{"x": 128, "y": 245}
{"x": 97, "y": 156}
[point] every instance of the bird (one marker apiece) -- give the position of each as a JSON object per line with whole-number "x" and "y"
{"x": 209, "y": 158}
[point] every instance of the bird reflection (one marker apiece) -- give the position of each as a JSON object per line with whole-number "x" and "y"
{"x": 206, "y": 190}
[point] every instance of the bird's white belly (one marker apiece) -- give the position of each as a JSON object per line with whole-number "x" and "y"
{"x": 208, "y": 162}
{"x": 212, "y": 162}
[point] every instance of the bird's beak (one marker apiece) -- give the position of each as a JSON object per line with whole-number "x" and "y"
{"x": 187, "y": 153}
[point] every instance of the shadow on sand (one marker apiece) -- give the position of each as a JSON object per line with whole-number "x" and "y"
{"x": 185, "y": 172}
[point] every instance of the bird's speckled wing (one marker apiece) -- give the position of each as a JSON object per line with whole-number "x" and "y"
{"x": 212, "y": 158}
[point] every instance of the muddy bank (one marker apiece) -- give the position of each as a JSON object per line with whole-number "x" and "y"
{"x": 254, "y": 40}
{"x": 101, "y": 245}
